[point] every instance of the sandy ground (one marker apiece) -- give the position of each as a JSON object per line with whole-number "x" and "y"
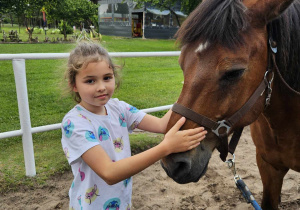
{"x": 153, "y": 189}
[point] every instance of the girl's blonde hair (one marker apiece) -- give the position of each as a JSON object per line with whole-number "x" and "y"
{"x": 80, "y": 57}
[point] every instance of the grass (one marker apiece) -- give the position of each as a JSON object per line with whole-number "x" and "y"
{"x": 147, "y": 82}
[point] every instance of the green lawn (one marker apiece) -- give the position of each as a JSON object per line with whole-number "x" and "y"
{"x": 147, "y": 82}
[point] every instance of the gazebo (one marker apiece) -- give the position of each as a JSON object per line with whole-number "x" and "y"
{"x": 121, "y": 18}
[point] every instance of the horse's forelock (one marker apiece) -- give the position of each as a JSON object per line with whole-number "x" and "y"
{"x": 215, "y": 21}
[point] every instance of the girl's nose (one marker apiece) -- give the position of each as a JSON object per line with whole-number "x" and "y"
{"x": 101, "y": 87}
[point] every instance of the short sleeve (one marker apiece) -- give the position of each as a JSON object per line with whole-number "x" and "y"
{"x": 132, "y": 115}
{"x": 78, "y": 135}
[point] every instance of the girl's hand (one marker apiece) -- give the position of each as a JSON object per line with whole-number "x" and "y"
{"x": 181, "y": 141}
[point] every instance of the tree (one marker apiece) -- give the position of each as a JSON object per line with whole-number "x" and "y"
{"x": 26, "y": 10}
{"x": 72, "y": 12}
{"x": 60, "y": 10}
{"x": 86, "y": 12}
{"x": 188, "y": 6}
{"x": 32, "y": 12}
{"x": 5, "y": 6}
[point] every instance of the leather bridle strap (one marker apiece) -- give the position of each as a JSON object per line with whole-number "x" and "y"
{"x": 281, "y": 78}
{"x": 235, "y": 140}
{"x": 195, "y": 117}
{"x": 248, "y": 105}
{"x": 227, "y": 123}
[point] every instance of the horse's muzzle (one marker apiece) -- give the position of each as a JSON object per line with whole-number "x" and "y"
{"x": 183, "y": 169}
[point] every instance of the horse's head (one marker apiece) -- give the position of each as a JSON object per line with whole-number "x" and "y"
{"x": 224, "y": 57}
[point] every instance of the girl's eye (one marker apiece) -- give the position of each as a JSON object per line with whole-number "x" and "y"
{"x": 90, "y": 81}
{"x": 108, "y": 78}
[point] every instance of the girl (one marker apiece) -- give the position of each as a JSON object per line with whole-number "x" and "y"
{"x": 95, "y": 134}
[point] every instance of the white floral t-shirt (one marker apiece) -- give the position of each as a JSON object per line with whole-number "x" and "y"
{"x": 82, "y": 130}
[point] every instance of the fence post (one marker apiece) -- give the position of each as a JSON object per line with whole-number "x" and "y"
{"x": 23, "y": 105}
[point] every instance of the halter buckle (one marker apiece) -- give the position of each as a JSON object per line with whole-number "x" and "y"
{"x": 221, "y": 124}
{"x": 269, "y": 88}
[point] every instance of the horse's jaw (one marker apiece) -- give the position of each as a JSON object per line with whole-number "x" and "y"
{"x": 187, "y": 167}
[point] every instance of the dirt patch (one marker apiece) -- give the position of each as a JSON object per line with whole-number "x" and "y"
{"x": 153, "y": 189}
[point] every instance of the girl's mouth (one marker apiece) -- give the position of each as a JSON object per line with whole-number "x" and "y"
{"x": 102, "y": 96}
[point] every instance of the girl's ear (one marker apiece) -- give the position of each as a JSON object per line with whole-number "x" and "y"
{"x": 264, "y": 11}
{"x": 73, "y": 87}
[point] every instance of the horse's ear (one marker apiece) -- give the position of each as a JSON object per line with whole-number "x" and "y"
{"x": 263, "y": 11}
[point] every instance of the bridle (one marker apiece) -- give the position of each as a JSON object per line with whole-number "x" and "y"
{"x": 222, "y": 128}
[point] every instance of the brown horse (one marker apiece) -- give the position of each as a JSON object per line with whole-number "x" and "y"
{"x": 240, "y": 61}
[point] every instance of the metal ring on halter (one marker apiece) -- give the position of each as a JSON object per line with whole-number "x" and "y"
{"x": 222, "y": 124}
{"x": 269, "y": 90}
{"x": 266, "y": 77}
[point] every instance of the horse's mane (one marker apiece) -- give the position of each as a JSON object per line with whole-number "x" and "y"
{"x": 219, "y": 21}
{"x": 285, "y": 30}
{"x": 215, "y": 21}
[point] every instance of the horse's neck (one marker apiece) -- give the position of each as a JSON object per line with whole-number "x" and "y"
{"x": 284, "y": 111}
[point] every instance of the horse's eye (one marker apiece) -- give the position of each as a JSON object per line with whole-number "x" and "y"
{"x": 232, "y": 75}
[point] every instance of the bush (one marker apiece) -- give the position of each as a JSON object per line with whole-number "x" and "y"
{"x": 37, "y": 30}
{"x": 69, "y": 30}
{"x": 55, "y": 31}
{"x": 5, "y": 20}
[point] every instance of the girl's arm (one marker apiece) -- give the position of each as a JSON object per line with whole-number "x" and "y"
{"x": 113, "y": 172}
{"x": 154, "y": 124}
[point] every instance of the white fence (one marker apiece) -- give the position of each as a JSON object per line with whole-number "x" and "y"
{"x": 26, "y": 131}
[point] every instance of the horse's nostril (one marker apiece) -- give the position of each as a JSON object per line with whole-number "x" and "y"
{"x": 182, "y": 168}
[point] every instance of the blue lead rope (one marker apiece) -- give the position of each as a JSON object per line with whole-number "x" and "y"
{"x": 246, "y": 192}
{"x": 242, "y": 186}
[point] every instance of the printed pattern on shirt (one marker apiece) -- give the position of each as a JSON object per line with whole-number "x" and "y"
{"x": 82, "y": 130}
{"x": 103, "y": 134}
{"x": 68, "y": 128}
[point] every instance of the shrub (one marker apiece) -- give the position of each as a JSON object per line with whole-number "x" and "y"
{"x": 55, "y": 31}
{"x": 69, "y": 29}
{"x": 37, "y": 30}
{"x": 5, "y": 20}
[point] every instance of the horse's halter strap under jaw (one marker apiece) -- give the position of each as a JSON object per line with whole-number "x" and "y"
{"x": 222, "y": 128}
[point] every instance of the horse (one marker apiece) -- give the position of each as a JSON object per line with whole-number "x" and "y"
{"x": 240, "y": 63}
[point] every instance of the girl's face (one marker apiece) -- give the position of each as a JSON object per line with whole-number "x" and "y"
{"x": 95, "y": 85}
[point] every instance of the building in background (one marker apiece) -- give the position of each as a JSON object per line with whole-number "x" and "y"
{"x": 120, "y": 18}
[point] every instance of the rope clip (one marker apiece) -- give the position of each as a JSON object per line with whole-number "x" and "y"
{"x": 231, "y": 165}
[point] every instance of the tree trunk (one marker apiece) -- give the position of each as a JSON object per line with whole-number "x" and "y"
{"x": 172, "y": 12}
{"x": 11, "y": 19}
{"x": 65, "y": 32}
{"x": 19, "y": 25}
{"x": 65, "y": 35}
{"x": 177, "y": 18}
{"x": 30, "y": 34}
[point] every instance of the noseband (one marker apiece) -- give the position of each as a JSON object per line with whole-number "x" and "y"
{"x": 223, "y": 127}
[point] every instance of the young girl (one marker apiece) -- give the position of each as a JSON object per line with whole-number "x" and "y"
{"x": 95, "y": 134}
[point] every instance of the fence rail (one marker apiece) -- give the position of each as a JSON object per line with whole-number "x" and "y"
{"x": 26, "y": 131}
